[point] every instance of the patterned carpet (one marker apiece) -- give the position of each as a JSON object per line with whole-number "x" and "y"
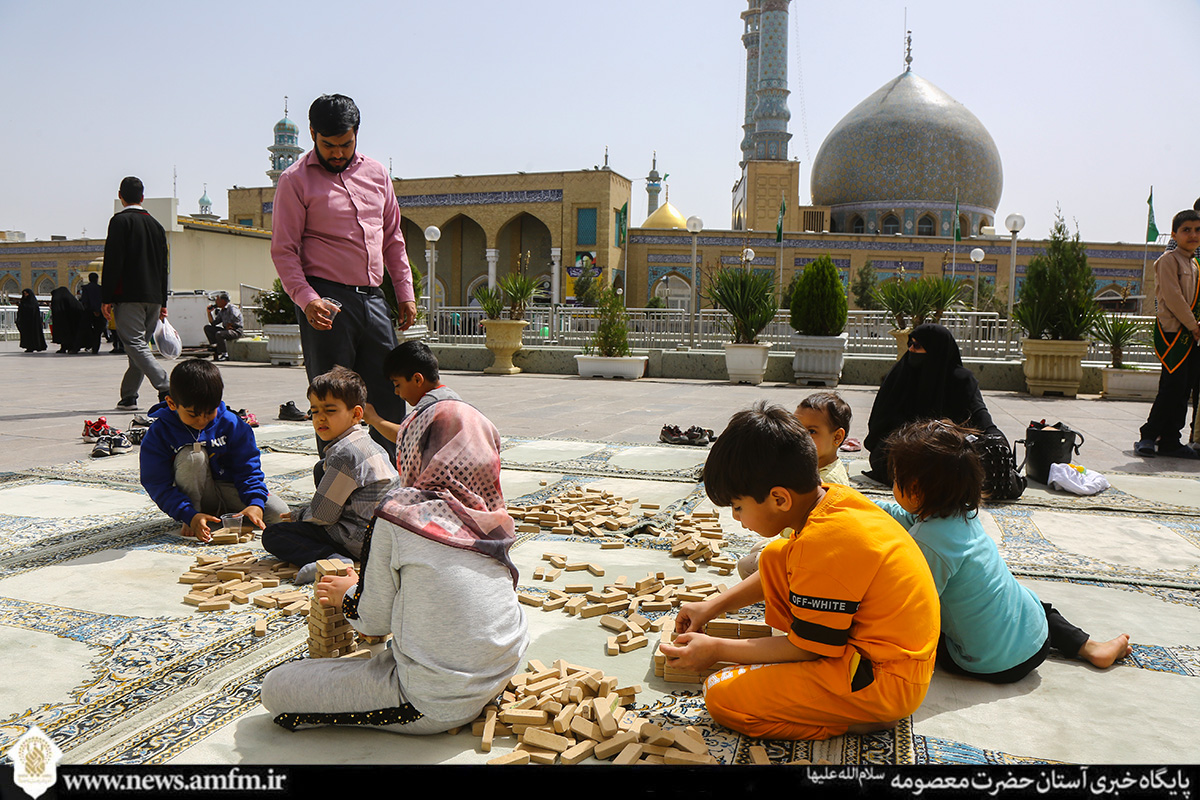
{"x": 99, "y": 651}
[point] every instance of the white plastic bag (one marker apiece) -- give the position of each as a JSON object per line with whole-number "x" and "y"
{"x": 1076, "y": 480}
{"x": 167, "y": 340}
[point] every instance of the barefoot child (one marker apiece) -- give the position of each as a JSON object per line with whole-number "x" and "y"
{"x": 437, "y": 575}
{"x": 200, "y": 460}
{"x": 826, "y": 416}
{"x": 351, "y": 480}
{"x": 993, "y": 628}
{"x": 848, "y": 586}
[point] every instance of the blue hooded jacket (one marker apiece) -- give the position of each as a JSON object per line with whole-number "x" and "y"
{"x": 233, "y": 456}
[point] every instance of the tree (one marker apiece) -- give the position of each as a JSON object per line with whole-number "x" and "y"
{"x": 863, "y": 288}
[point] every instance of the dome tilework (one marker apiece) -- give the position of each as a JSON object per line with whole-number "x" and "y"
{"x": 908, "y": 142}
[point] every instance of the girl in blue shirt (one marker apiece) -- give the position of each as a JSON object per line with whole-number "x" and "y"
{"x": 993, "y": 628}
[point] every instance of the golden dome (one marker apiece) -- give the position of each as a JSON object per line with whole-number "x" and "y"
{"x": 666, "y": 217}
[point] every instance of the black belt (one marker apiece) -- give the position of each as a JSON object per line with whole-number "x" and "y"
{"x": 371, "y": 291}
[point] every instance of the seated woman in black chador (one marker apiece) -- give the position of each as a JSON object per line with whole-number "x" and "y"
{"x": 928, "y": 382}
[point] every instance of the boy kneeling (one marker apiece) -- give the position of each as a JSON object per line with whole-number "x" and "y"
{"x": 351, "y": 480}
{"x": 848, "y": 586}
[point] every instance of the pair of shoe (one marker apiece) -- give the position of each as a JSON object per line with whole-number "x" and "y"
{"x": 694, "y": 435}
{"x": 221, "y": 357}
{"x": 127, "y": 404}
{"x": 136, "y": 435}
{"x": 112, "y": 445}
{"x": 288, "y": 411}
{"x": 140, "y": 421}
{"x": 248, "y": 418}
{"x": 1146, "y": 448}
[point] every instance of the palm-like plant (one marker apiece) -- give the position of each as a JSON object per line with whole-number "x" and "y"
{"x": 491, "y": 300}
{"x": 1118, "y": 332}
{"x": 749, "y": 297}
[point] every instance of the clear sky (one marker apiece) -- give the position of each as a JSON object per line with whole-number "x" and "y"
{"x": 1090, "y": 102}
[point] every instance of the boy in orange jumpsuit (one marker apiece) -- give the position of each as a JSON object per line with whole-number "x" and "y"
{"x": 849, "y": 588}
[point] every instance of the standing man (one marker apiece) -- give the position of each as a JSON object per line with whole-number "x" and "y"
{"x": 336, "y": 227}
{"x": 134, "y": 289}
{"x": 93, "y": 301}
{"x": 224, "y": 325}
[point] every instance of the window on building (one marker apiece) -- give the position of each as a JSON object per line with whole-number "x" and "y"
{"x": 585, "y": 227}
{"x": 858, "y": 225}
{"x": 246, "y": 222}
{"x": 891, "y": 224}
{"x": 926, "y": 225}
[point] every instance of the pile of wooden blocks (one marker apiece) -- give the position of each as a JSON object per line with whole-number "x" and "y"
{"x": 240, "y": 535}
{"x": 723, "y": 628}
{"x": 582, "y": 512}
{"x": 217, "y": 582}
{"x": 329, "y": 634}
{"x": 698, "y": 540}
{"x": 565, "y": 713}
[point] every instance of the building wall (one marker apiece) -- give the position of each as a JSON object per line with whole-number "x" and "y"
{"x": 209, "y": 257}
{"x": 42, "y": 265}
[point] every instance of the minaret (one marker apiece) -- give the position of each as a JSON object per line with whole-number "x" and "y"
{"x": 205, "y": 203}
{"x": 653, "y": 186}
{"x": 771, "y": 113}
{"x": 750, "y": 39}
{"x": 286, "y": 148}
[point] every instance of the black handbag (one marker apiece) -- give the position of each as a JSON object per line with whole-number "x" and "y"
{"x": 1002, "y": 478}
{"x": 1046, "y": 445}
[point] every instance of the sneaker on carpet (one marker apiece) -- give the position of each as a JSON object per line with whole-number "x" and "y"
{"x": 672, "y": 435}
{"x": 92, "y": 431}
{"x": 119, "y": 443}
{"x": 247, "y": 418}
{"x": 135, "y": 435}
{"x": 103, "y": 447}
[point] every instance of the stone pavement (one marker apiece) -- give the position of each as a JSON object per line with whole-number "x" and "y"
{"x": 51, "y": 395}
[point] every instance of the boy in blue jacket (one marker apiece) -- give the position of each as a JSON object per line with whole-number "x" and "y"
{"x": 199, "y": 459}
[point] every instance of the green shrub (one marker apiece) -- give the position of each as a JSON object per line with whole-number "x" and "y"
{"x": 1058, "y": 298}
{"x": 818, "y": 302}
{"x": 612, "y": 334}
{"x": 749, "y": 297}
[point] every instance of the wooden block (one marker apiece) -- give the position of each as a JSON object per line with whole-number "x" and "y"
{"x": 214, "y": 605}
{"x": 578, "y": 752}
{"x": 593, "y": 610}
{"x": 578, "y": 588}
{"x": 295, "y": 608}
{"x": 686, "y": 757}
{"x": 260, "y": 627}
{"x": 536, "y": 737}
{"x": 611, "y": 646}
{"x": 758, "y": 755}
{"x": 585, "y": 728}
{"x": 524, "y": 716}
{"x": 554, "y": 604}
{"x": 596, "y": 570}
{"x": 515, "y": 757}
{"x": 613, "y": 623}
{"x": 562, "y": 722}
{"x": 529, "y": 599}
{"x": 629, "y": 754}
{"x": 605, "y": 720}
{"x": 612, "y": 545}
{"x": 610, "y": 747}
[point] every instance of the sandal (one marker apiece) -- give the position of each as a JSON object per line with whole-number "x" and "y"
{"x": 248, "y": 418}
{"x": 851, "y": 446}
{"x": 1145, "y": 448}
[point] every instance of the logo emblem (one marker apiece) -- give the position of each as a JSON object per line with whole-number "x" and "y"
{"x": 35, "y": 760}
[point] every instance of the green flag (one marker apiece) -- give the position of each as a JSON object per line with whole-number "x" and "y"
{"x": 957, "y": 227}
{"x": 779, "y": 222}
{"x": 1151, "y": 228}
{"x": 622, "y": 224}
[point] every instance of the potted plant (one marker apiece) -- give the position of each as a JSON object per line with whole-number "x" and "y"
{"x": 1118, "y": 381}
{"x": 818, "y": 315}
{"x": 749, "y": 299}
{"x": 901, "y": 299}
{"x": 277, "y": 313}
{"x": 608, "y": 354}
{"x": 503, "y": 336}
{"x": 1057, "y": 310}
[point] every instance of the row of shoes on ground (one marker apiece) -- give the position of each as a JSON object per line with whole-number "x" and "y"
{"x": 112, "y": 445}
{"x": 92, "y": 431}
{"x": 695, "y": 435}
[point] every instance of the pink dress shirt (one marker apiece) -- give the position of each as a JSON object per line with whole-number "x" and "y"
{"x": 342, "y": 227}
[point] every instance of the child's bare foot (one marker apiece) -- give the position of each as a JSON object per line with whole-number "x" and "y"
{"x": 872, "y": 727}
{"x": 1105, "y": 654}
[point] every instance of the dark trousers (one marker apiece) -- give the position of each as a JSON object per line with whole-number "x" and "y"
{"x": 97, "y": 325}
{"x": 1062, "y": 636}
{"x": 1169, "y": 412}
{"x": 219, "y": 336}
{"x": 361, "y": 337}
{"x": 300, "y": 543}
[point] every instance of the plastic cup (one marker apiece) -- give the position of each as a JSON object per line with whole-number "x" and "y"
{"x": 232, "y": 522}
{"x": 334, "y": 307}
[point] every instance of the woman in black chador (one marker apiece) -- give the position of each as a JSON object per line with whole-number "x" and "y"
{"x": 67, "y": 320}
{"x": 29, "y": 323}
{"x": 928, "y": 382}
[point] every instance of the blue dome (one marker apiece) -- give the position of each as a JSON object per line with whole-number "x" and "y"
{"x": 285, "y": 125}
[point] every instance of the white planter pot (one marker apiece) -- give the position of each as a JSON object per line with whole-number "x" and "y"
{"x": 818, "y": 360}
{"x": 746, "y": 363}
{"x": 283, "y": 344}
{"x": 627, "y": 367}
{"x": 1129, "y": 384}
{"x": 1054, "y": 365}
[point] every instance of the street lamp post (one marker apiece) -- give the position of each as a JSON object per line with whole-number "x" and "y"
{"x": 747, "y": 257}
{"x": 1014, "y": 223}
{"x": 432, "y": 234}
{"x": 977, "y": 256}
{"x": 694, "y": 226}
